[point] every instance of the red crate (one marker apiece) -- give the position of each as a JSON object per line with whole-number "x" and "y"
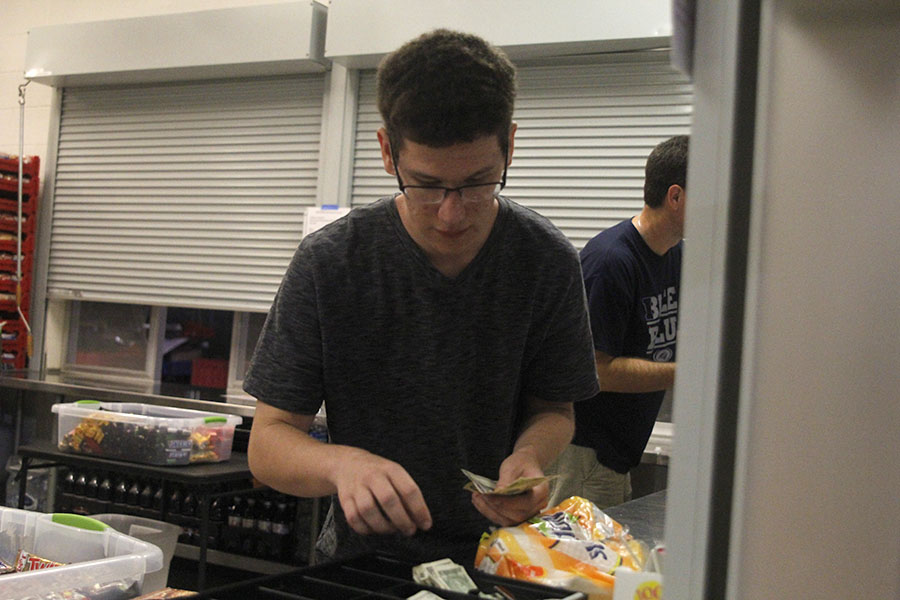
{"x": 9, "y": 222}
{"x": 11, "y": 204}
{"x": 17, "y": 345}
{"x": 13, "y": 330}
{"x": 31, "y": 165}
{"x": 8, "y": 302}
{"x": 16, "y": 360}
{"x": 8, "y": 286}
{"x": 9, "y": 196}
{"x": 9, "y": 187}
{"x": 8, "y": 282}
{"x": 209, "y": 372}
{"x": 8, "y": 263}
{"x": 11, "y": 314}
{"x": 10, "y": 244}
{"x": 14, "y": 356}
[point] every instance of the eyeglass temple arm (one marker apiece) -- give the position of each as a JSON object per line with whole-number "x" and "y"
{"x": 394, "y": 161}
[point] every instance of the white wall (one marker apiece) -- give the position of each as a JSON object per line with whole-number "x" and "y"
{"x": 818, "y": 481}
{"x": 523, "y": 28}
{"x": 19, "y": 16}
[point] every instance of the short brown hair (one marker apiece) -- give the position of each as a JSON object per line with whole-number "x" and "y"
{"x": 666, "y": 166}
{"x": 446, "y": 87}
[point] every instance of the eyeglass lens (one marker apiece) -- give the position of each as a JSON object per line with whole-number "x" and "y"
{"x": 435, "y": 195}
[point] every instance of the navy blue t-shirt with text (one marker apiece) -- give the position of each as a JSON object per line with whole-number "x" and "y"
{"x": 633, "y": 300}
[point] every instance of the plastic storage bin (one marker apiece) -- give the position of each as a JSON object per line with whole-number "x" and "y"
{"x": 102, "y": 563}
{"x": 159, "y": 533}
{"x": 146, "y": 433}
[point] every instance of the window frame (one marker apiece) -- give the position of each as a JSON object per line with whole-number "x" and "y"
{"x": 148, "y": 377}
{"x": 238, "y": 359}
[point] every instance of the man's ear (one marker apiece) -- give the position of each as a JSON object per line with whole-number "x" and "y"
{"x": 675, "y": 197}
{"x": 385, "y": 143}
{"x": 512, "y": 137}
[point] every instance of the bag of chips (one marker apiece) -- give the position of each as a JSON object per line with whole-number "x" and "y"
{"x": 573, "y": 545}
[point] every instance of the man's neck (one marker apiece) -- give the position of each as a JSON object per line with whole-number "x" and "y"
{"x": 653, "y": 226}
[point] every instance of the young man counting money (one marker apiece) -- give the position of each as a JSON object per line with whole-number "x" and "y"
{"x": 444, "y": 328}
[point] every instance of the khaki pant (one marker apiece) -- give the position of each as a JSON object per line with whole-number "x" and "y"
{"x": 581, "y": 474}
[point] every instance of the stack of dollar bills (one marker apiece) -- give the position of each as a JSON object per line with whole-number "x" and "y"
{"x": 446, "y": 575}
{"x": 485, "y": 485}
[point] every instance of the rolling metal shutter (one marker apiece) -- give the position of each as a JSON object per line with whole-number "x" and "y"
{"x": 585, "y": 131}
{"x": 184, "y": 194}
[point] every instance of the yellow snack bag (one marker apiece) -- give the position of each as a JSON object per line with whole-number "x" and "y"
{"x": 573, "y": 545}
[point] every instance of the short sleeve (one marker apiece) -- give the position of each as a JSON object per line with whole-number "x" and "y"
{"x": 564, "y": 368}
{"x": 286, "y": 369}
{"x": 609, "y": 286}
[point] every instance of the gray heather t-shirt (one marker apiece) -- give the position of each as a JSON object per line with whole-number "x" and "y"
{"x": 422, "y": 369}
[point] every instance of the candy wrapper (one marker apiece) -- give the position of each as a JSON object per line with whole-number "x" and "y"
{"x": 573, "y": 545}
{"x": 25, "y": 561}
{"x": 165, "y": 594}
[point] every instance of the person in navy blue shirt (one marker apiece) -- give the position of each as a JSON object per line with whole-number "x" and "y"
{"x": 631, "y": 276}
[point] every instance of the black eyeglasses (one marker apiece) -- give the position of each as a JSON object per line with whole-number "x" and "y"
{"x": 430, "y": 195}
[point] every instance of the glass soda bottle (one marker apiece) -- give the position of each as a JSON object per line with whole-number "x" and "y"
{"x": 281, "y": 531}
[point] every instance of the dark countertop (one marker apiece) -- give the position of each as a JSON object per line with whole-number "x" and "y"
{"x": 167, "y": 394}
{"x": 209, "y": 474}
{"x": 644, "y": 517}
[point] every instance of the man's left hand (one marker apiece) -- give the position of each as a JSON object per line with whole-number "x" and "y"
{"x": 512, "y": 510}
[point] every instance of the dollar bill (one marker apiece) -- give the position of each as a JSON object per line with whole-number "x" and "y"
{"x": 456, "y": 579}
{"x": 444, "y": 574}
{"x": 523, "y": 484}
{"x": 479, "y": 483}
{"x": 484, "y": 485}
{"x": 424, "y": 595}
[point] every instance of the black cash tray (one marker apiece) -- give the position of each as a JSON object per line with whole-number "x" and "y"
{"x": 370, "y": 576}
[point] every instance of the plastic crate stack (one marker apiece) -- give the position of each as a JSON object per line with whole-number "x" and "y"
{"x": 14, "y": 333}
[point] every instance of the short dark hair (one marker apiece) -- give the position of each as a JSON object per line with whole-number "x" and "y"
{"x": 444, "y": 88}
{"x": 666, "y": 166}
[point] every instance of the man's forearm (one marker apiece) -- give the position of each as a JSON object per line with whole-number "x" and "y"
{"x": 377, "y": 495}
{"x": 635, "y": 375}
{"x": 548, "y": 428}
{"x": 283, "y": 456}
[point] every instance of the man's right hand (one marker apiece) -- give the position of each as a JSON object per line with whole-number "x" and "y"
{"x": 377, "y": 495}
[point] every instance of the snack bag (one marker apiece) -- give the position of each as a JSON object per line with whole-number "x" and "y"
{"x": 573, "y": 545}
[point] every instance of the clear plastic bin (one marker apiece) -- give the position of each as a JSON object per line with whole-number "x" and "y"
{"x": 146, "y": 433}
{"x": 101, "y": 562}
{"x": 159, "y": 533}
